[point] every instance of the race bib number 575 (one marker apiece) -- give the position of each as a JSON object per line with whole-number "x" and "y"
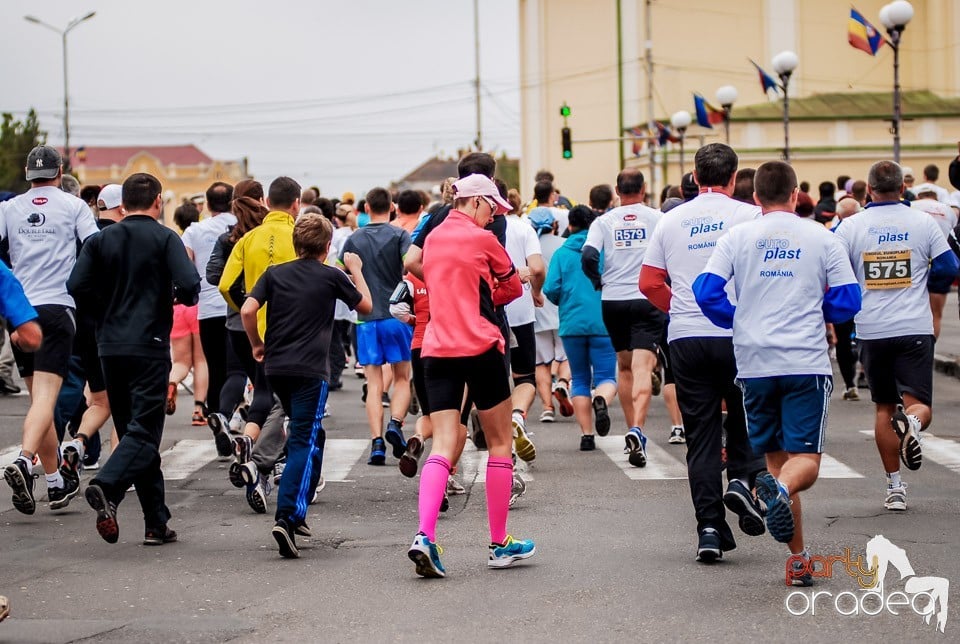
{"x": 887, "y": 269}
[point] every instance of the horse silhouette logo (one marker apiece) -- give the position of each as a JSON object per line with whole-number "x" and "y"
{"x": 883, "y": 553}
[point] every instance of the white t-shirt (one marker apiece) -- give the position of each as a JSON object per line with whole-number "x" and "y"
{"x": 682, "y": 244}
{"x": 339, "y": 238}
{"x": 944, "y": 215}
{"x": 780, "y": 266}
{"x": 43, "y": 226}
{"x": 890, "y": 247}
{"x": 522, "y": 242}
{"x": 623, "y": 236}
{"x": 943, "y": 196}
{"x": 548, "y": 315}
{"x": 200, "y": 237}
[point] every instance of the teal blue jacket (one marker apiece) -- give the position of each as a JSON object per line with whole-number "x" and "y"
{"x": 570, "y": 289}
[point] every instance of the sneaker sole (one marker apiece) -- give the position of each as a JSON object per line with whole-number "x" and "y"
{"x": 637, "y": 457}
{"x": 526, "y": 450}
{"x": 779, "y": 518}
{"x": 235, "y": 474}
{"x": 107, "y": 526}
{"x": 65, "y": 501}
{"x": 23, "y": 500}
{"x": 303, "y": 531}
{"x": 72, "y": 459}
{"x": 410, "y": 460}
{"x": 395, "y": 439}
{"x": 910, "y": 452}
{"x": 677, "y": 440}
{"x": 424, "y": 565}
{"x": 566, "y": 407}
{"x": 158, "y": 541}
{"x": 896, "y": 506}
{"x": 224, "y": 444}
{"x": 547, "y": 419}
{"x": 750, "y": 521}
{"x": 656, "y": 383}
{"x": 709, "y": 555}
{"x": 256, "y": 502}
{"x": 506, "y": 562}
{"x": 601, "y": 413}
{"x": 285, "y": 543}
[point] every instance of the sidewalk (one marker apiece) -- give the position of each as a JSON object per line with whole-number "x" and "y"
{"x": 947, "y": 358}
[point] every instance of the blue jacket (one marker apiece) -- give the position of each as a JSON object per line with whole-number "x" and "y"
{"x": 570, "y": 289}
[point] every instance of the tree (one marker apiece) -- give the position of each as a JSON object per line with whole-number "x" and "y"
{"x": 17, "y": 138}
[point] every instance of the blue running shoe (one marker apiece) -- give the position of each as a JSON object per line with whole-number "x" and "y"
{"x": 378, "y": 452}
{"x": 426, "y": 555}
{"x": 510, "y": 552}
{"x": 779, "y": 517}
{"x": 394, "y": 436}
{"x": 636, "y": 447}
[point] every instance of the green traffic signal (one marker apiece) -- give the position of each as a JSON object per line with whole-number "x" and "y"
{"x": 566, "y": 143}
{"x": 564, "y": 110}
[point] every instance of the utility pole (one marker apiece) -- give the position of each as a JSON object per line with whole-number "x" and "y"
{"x": 651, "y": 119}
{"x": 620, "y": 125}
{"x": 476, "y": 67}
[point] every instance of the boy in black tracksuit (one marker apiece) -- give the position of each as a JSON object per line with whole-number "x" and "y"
{"x": 131, "y": 276}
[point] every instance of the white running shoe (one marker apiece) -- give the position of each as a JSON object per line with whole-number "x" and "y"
{"x": 896, "y": 500}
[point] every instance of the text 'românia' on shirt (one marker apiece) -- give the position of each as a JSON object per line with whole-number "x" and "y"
{"x": 701, "y": 225}
{"x": 777, "y": 249}
{"x": 886, "y": 234}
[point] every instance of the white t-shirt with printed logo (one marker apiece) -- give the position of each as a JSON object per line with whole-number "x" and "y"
{"x": 780, "y": 266}
{"x": 522, "y": 242}
{"x": 944, "y": 215}
{"x": 43, "y": 226}
{"x": 200, "y": 237}
{"x": 890, "y": 247}
{"x": 681, "y": 245}
{"x": 623, "y": 236}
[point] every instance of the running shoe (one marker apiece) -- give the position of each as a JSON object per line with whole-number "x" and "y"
{"x": 526, "y": 450}
{"x": 358, "y": 370}
{"x": 445, "y": 504}
{"x": 862, "y": 381}
{"x": 677, "y": 436}
{"x": 171, "y": 404}
{"x": 286, "y": 541}
{"x": 588, "y": 443}
{"x": 479, "y": 440}
{"x": 378, "y": 452}
{"x": 562, "y": 393}
{"x": 504, "y": 555}
{"x": 72, "y": 454}
{"x": 60, "y": 497}
{"x": 241, "y": 474}
{"x": 220, "y": 427}
{"x": 322, "y": 483}
{"x": 414, "y": 402}
{"x": 779, "y": 518}
{"x": 197, "y": 420}
{"x": 851, "y": 393}
{"x": 517, "y": 489}
{"x": 107, "y": 526}
{"x": 410, "y": 460}
{"x": 159, "y": 536}
{"x": 278, "y": 468}
{"x": 257, "y": 494}
{"x": 740, "y": 501}
{"x": 636, "y": 447}
{"x": 453, "y": 487}
{"x": 20, "y": 480}
{"x": 708, "y": 547}
{"x": 546, "y": 416}
{"x": 425, "y": 555}
{"x": 303, "y": 530}
{"x": 907, "y": 428}
{"x": 601, "y": 416}
{"x": 90, "y": 465}
{"x": 800, "y": 571}
{"x": 394, "y": 436}
{"x": 656, "y": 382}
{"x": 243, "y": 448}
{"x": 385, "y": 400}
{"x": 896, "y": 500}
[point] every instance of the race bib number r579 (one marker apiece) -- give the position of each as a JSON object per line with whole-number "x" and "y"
{"x": 887, "y": 269}
{"x": 629, "y": 237}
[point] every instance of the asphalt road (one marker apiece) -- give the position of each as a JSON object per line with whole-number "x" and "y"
{"x": 615, "y": 550}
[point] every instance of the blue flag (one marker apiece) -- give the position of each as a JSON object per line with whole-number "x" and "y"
{"x": 766, "y": 80}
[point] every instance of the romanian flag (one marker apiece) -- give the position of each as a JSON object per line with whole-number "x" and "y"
{"x": 766, "y": 80}
{"x": 862, "y": 35}
{"x": 707, "y": 114}
{"x": 640, "y": 136}
{"x": 664, "y": 134}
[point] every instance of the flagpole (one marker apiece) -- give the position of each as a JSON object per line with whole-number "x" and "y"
{"x": 648, "y": 54}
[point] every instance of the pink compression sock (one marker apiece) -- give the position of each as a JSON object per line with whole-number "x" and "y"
{"x": 433, "y": 484}
{"x": 499, "y": 482}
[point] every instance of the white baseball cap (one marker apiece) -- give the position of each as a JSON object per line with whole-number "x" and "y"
{"x": 110, "y": 197}
{"x": 478, "y": 185}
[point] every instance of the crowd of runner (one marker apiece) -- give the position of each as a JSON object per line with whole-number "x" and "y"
{"x": 461, "y": 310}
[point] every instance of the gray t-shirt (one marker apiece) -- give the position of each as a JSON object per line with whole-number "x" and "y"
{"x": 381, "y": 247}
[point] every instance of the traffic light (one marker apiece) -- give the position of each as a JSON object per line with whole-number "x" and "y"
{"x": 564, "y": 110}
{"x": 566, "y": 142}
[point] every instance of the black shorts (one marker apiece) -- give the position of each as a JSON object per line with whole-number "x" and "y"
{"x": 419, "y": 383}
{"x": 942, "y": 290}
{"x": 664, "y": 355}
{"x": 523, "y": 357}
{"x": 58, "y": 323}
{"x": 899, "y": 365}
{"x": 633, "y": 324}
{"x": 485, "y": 375}
{"x": 85, "y": 348}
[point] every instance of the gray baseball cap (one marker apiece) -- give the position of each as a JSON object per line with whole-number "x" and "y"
{"x": 43, "y": 162}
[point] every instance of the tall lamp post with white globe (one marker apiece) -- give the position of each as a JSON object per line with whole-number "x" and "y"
{"x": 681, "y": 121}
{"x": 727, "y": 96}
{"x": 894, "y": 18}
{"x": 783, "y": 64}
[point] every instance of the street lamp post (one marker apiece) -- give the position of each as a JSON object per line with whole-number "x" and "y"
{"x": 727, "y": 96}
{"x": 681, "y": 121}
{"x": 894, "y": 18}
{"x": 783, "y": 64}
{"x": 66, "y": 99}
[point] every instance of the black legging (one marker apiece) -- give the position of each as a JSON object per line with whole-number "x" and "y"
{"x": 231, "y": 395}
{"x": 846, "y": 355}
{"x": 262, "y": 395}
{"x": 213, "y": 339}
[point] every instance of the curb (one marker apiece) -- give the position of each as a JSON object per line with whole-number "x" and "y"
{"x": 947, "y": 365}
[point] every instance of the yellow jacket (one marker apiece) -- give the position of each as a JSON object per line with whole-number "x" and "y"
{"x": 268, "y": 244}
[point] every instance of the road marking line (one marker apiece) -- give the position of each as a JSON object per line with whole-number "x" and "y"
{"x": 660, "y": 464}
{"x": 186, "y": 457}
{"x": 8, "y": 454}
{"x": 473, "y": 465}
{"x": 941, "y": 451}
{"x": 831, "y": 468}
{"x": 340, "y": 455}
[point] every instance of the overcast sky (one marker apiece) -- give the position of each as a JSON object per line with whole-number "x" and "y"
{"x": 344, "y": 94}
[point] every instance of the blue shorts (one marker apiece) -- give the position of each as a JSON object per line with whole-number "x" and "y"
{"x": 382, "y": 342}
{"x": 786, "y": 413}
{"x": 592, "y": 362}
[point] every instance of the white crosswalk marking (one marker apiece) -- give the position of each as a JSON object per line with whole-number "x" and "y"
{"x": 473, "y": 465}
{"x": 660, "y": 464}
{"x": 941, "y": 451}
{"x": 186, "y": 457}
{"x": 340, "y": 455}
{"x": 831, "y": 468}
{"x": 8, "y": 454}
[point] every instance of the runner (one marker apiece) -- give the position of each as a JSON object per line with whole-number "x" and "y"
{"x": 593, "y": 362}
{"x": 150, "y": 270}
{"x": 301, "y": 295}
{"x": 634, "y": 324}
{"x": 701, "y": 354}
{"x": 946, "y": 218}
{"x": 463, "y": 345}
{"x": 42, "y": 227}
{"x": 789, "y": 278}
{"x": 897, "y": 251}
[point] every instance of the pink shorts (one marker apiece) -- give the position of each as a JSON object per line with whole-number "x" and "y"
{"x": 184, "y": 321}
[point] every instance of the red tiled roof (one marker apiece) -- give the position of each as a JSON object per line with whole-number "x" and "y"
{"x": 104, "y": 157}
